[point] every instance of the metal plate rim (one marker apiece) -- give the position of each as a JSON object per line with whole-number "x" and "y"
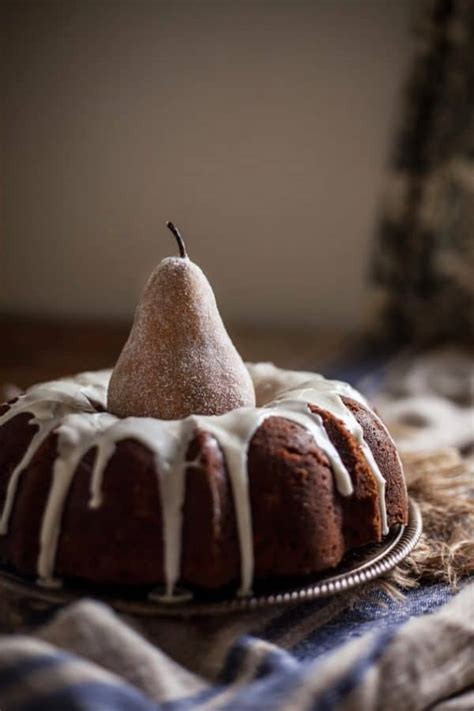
{"x": 399, "y": 546}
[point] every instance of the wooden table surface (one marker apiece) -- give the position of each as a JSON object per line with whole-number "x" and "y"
{"x": 34, "y": 350}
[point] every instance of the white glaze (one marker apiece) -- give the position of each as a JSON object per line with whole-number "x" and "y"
{"x": 77, "y": 433}
{"x": 46, "y": 422}
{"x": 65, "y": 407}
{"x": 233, "y": 431}
{"x": 327, "y": 395}
{"x": 169, "y": 445}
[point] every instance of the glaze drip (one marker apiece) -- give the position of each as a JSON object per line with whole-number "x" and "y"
{"x": 77, "y": 433}
{"x": 64, "y": 407}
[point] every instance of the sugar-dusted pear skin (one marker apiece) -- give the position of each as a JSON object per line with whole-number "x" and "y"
{"x": 178, "y": 359}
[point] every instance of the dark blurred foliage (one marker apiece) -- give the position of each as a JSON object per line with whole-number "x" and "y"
{"x": 424, "y": 256}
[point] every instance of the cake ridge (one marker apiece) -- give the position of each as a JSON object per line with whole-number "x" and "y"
{"x": 80, "y": 428}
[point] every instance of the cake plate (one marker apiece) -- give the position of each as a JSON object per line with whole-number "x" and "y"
{"x": 24, "y": 602}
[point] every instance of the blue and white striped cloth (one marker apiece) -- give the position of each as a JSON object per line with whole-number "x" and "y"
{"x": 342, "y": 653}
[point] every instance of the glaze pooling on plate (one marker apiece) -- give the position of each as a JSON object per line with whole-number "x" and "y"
{"x": 65, "y": 408}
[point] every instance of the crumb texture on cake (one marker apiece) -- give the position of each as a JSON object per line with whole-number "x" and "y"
{"x": 285, "y": 488}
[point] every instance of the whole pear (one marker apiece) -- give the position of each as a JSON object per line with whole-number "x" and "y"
{"x": 178, "y": 359}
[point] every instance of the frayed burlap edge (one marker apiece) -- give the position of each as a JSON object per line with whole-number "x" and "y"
{"x": 442, "y": 483}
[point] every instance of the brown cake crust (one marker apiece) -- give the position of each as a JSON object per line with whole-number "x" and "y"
{"x": 301, "y": 524}
{"x": 386, "y": 456}
{"x": 296, "y": 510}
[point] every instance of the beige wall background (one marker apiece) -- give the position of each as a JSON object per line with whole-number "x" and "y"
{"x": 261, "y": 128}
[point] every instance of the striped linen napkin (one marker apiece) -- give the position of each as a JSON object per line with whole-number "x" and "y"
{"x": 376, "y": 653}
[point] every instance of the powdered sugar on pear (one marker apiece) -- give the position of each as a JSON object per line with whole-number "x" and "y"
{"x": 178, "y": 359}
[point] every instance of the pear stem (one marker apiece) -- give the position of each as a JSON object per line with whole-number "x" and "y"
{"x": 179, "y": 239}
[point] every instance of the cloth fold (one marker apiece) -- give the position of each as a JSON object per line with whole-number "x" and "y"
{"x": 92, "y": 630}
{"x": 87, "y": 658}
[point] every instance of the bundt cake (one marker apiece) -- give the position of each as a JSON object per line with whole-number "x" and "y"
{"x": 285, "y": 488}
